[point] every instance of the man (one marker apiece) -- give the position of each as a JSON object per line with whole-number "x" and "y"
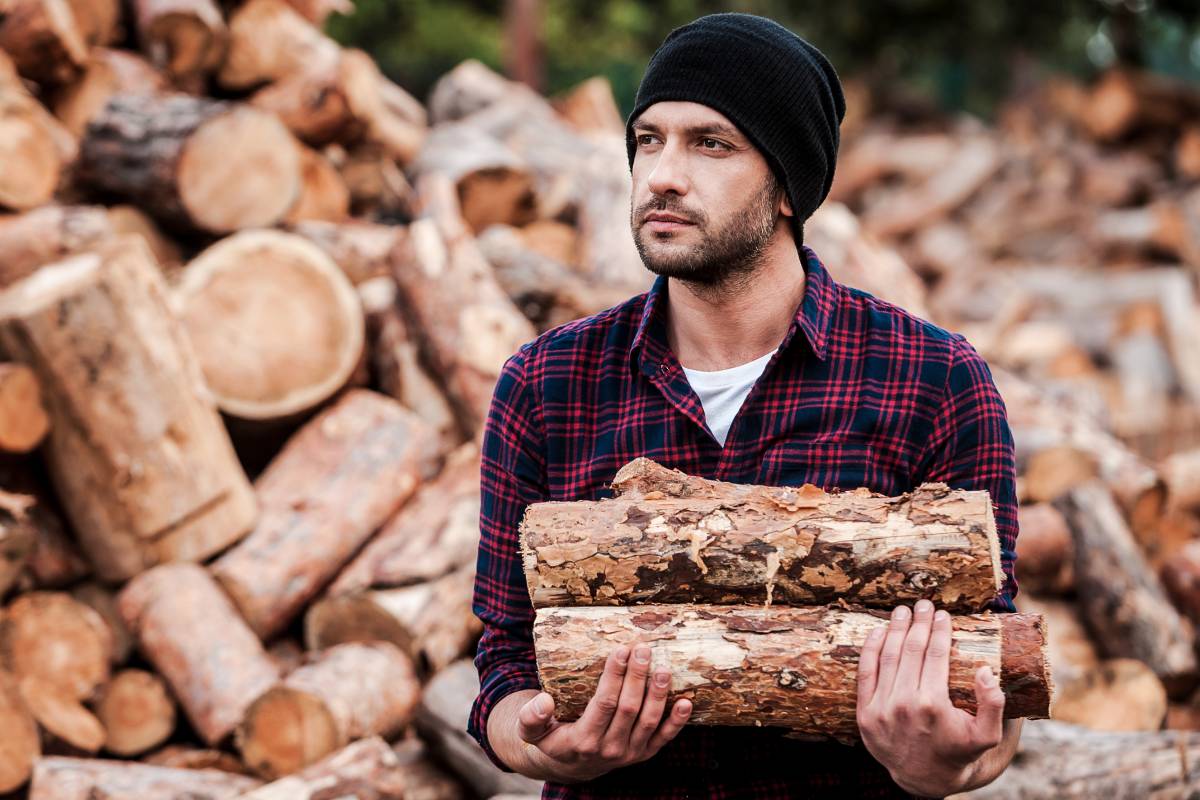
{"x": 744, "y": 362}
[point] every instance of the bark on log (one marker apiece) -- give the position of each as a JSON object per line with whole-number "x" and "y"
{"x": 254, "y": 288}
{"x": 185, "y": 38}
{"x": 201, "y": 164}
{"x": 432, "y": 622}
{"x": 48, "y": 234}
{"x": 1122, "y": 599}
{"x": 365, "y": 769}
{"x": 67, "y": 727}
{"x": 464, "y": 343}
{"x": 193, "y": 635}
{"x": 669, "y": 537}
{"x": 136, "y": 711}
{"x": 1069, "y": 649}
{"x": 359, "y": 248}
{"x": 349, "y": 468}
{"x": 22, "y": 745}
{"x": 787, "y": 667}
{"x": 138, "y": 453}
{"x": 106, "y": 72}
{"x": 23, "y": 421}
{"x": 43, "y": 39}
{"x": 64, "y": 778}
{"x": 52, "y": 635}
{"x": 269, "y": 41}
{"x": 348, "y": 692}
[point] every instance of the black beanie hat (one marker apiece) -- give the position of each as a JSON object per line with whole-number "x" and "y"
{"x": 779, "y": 90}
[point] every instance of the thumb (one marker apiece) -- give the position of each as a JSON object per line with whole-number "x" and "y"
{"x": 536, "y": 718}
{"x": 988, "y": 726}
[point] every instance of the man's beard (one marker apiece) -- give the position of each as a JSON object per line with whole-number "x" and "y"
{"x": 722, "y": 256}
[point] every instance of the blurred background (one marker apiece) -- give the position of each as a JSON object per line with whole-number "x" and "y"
{"x": 261, "y": 262}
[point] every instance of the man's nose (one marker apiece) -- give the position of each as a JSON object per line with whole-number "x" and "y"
{"x": 669, "y": 173}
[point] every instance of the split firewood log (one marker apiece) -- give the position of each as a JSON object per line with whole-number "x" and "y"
{"x": 1045, "y": 550}
{"x": 442, "y": 723}
{"x": 1122, "y": 600}
{"x": 349, "y": 469}
{"x": 787, "y": 667}
{"x": 591, "y": 108}
{"x": 68, "y": 728}
{"x": 466, "y": 344}
{"x": 323, "y": 194}
{"x": 1123, "y": 101}
{"x": 138, "y": 453}
{"x": 880, "y": 154}
{"x": 198, "y": 164}
{"x": 23, "y": 420}
{"x": 22, "y": 744}
{"x": 669, "y": 537}
{"x": 253, "y": 288}
{"x": 347, "y": 692}
{"x": 196, "y": 640}
{"x": 432, "y": 621}
{"x": 378, "y": 187}
{"x": 137, "y": 712}
{"x": 44, "y": 40}
{"x": 54, "y": 636}
{"x": 1058, "y": 761}
{"x": 470, "y": 87}
{"x": 18, "y": 537}
{"x": 104, "y": 602}
{"x": 66, "y": 778}
{"x": 185, "y": 757}
{"x": 107, "y": 71}
{"x": 1120, "y": 694}
{"x": 36, "y": 148}
{"x": 366, "y": 768}
{"x": 360, "y": 248}
{"x": 55, "y": 561}
{"x": 187, "y": 39}
{"x": 1181, "y": 473}
{"x": 268, "y": 41}
{"x": 288, "y": 654}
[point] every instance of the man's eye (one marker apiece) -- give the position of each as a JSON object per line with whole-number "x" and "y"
{"x": 645, "y": 138}
{"x": 718, "y": 144}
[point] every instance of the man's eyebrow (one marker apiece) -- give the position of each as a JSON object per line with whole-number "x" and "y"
{"x": 718, "y": 128}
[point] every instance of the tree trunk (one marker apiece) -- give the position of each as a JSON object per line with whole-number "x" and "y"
{"x": 62, "y": 778}
{"x": 674, "y": 538}
{"x": 349, "y": 469}
{"x": 348, "y": 692}
{"x": 199, "y": 164}
{"x": 787, "y": 667}
{"x": 137, "y": 712}
{"x": 195, "y": 638}
{"x": 139, "y": 455}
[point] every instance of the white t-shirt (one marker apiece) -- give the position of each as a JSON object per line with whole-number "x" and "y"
{"x": 723, "y": 391}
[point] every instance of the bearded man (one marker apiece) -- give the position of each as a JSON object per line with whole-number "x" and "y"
{"x": 744, "y": 362}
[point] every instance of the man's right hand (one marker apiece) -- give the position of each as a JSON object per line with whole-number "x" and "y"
{"x": 622, "y": 724}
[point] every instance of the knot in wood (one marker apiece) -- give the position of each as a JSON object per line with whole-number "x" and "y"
{"x": 922, "y": 580}
{"x": 789, "y": 679}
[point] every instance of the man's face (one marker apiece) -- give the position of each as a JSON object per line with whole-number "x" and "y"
{"x": 705, "y": 202}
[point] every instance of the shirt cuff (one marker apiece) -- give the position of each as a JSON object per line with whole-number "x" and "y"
{"x": 489, "y": 695}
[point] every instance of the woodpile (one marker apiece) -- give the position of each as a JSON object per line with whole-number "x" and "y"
{"x": 242, "y": 381}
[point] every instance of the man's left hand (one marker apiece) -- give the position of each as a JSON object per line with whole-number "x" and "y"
{"x": 907, "y": 721}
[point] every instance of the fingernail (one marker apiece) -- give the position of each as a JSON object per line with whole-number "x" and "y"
{"x": 661, "y": 678}
{"x": 989, "y": 677}
{"x": 683, "y": 707}
{"x": 622, "y": 654}
{"x": 942, "y": 615}
{"x": 642, "y": 654}
{"x": 924, "y": 606}
{"x": 877, "y": 633}
{"x": 901, "y": 612}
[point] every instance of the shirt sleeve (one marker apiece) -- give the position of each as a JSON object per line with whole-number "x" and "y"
{"x": 971, "y": 447}
{"x": 512, "y": 475}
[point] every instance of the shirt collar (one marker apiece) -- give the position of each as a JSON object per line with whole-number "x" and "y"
{"x": 813, "y": 317}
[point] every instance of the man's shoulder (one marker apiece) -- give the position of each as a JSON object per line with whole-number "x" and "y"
{"x": 876, "y": 318}
{"x": 609, "y": 331}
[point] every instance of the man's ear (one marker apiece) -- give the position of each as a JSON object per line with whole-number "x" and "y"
{"x": 785, "y": 207}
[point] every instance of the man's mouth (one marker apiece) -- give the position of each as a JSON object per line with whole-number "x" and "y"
{"x": 659, "y": 221}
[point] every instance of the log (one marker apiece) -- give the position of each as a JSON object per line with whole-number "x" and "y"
{"x": 22, "y": 745}
{"x": 44, "y": 40}
{"x": 106, "y": 72}
{"x": 184, "y": 757}
{"x": 287, "y": 654}
{"x": 67, "y": 727}
{"x": 187, "y": 39}
{"x": 104, "y": 602}
{"x": 23, "y": 421}
{"x": 1069, "y": 649}
{"x": 1123, "y": 101}
{"x": 99, "y": 21}
{"x": 669, "y": 537}
{"x": 323, "y": 194}
{"x": 18, "y": 537}
{"x": 432, "y": 622}
{"x": 65, "y": 778}
{"x": 1181, "y": 474}
{"x": 1059, "y": 761}
{"x": 349, "y": 469}
{"x": 442, "y": 723}
{"x": 197, "y": 164}
{"x": 316, "y": 11}
{"x": 254, "y": 288}
{"x": 348, "y": 692}
{"x": 424, "y": 779}
{"x": 138, "y": 453}
{"x": 591, "y": 108}
{"x": 31, "y": 148}
{"x": 193, "y": 636}
{"x": 1121, "y": 694}
{"x": 359, "y": 248}
{"x": 1045, "y": 550}
{"x": 1180, "y": 575}
{"x": 366, "y": 768}
{"x": 378, "y": 187}
{"x": 1121, "y": 598}
{"x": 269, "y": 41}
{"x": 55, "y": 561}
{"x": 52, "y": 635}
{"x": 137, "y": 712}
{"x": 800, "y": 675}
{"x": 466, "y": 344}
{"x": 430, "y": 536}
{"x": 48, "y": 234}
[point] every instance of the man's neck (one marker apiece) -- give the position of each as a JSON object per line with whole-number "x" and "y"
{"x": 711, "y": 328}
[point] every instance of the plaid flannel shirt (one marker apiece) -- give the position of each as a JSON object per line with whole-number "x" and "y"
{"x": 860, "y": 393}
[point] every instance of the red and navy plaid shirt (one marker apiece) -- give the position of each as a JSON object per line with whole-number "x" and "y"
{"x": 860, "y": 393}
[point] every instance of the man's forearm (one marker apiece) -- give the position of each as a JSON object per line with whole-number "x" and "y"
{"x": 996, "y": 760}
{"x": 502, "y": 735}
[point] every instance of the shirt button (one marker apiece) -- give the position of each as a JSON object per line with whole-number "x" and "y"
{"x": 663, "y": 368}
{"x": 713, "y": 763}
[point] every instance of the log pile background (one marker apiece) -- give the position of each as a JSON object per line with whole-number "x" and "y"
{"x": 241, "y": 381}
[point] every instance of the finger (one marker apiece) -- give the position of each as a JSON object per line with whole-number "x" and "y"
{"x": 629, "y": 704}
{"x": 988, "y": 727}
{"x": 912, "y": 654}
{"x": 935, "y": 674}
{"x": 593, "y": 722}
{"x": 868, "y": 665}
{"x": 672, "y": 725}
{"x": 889, "y": 654}
{"x": 652, "y": 711}
{"x": 536, "y": 719}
